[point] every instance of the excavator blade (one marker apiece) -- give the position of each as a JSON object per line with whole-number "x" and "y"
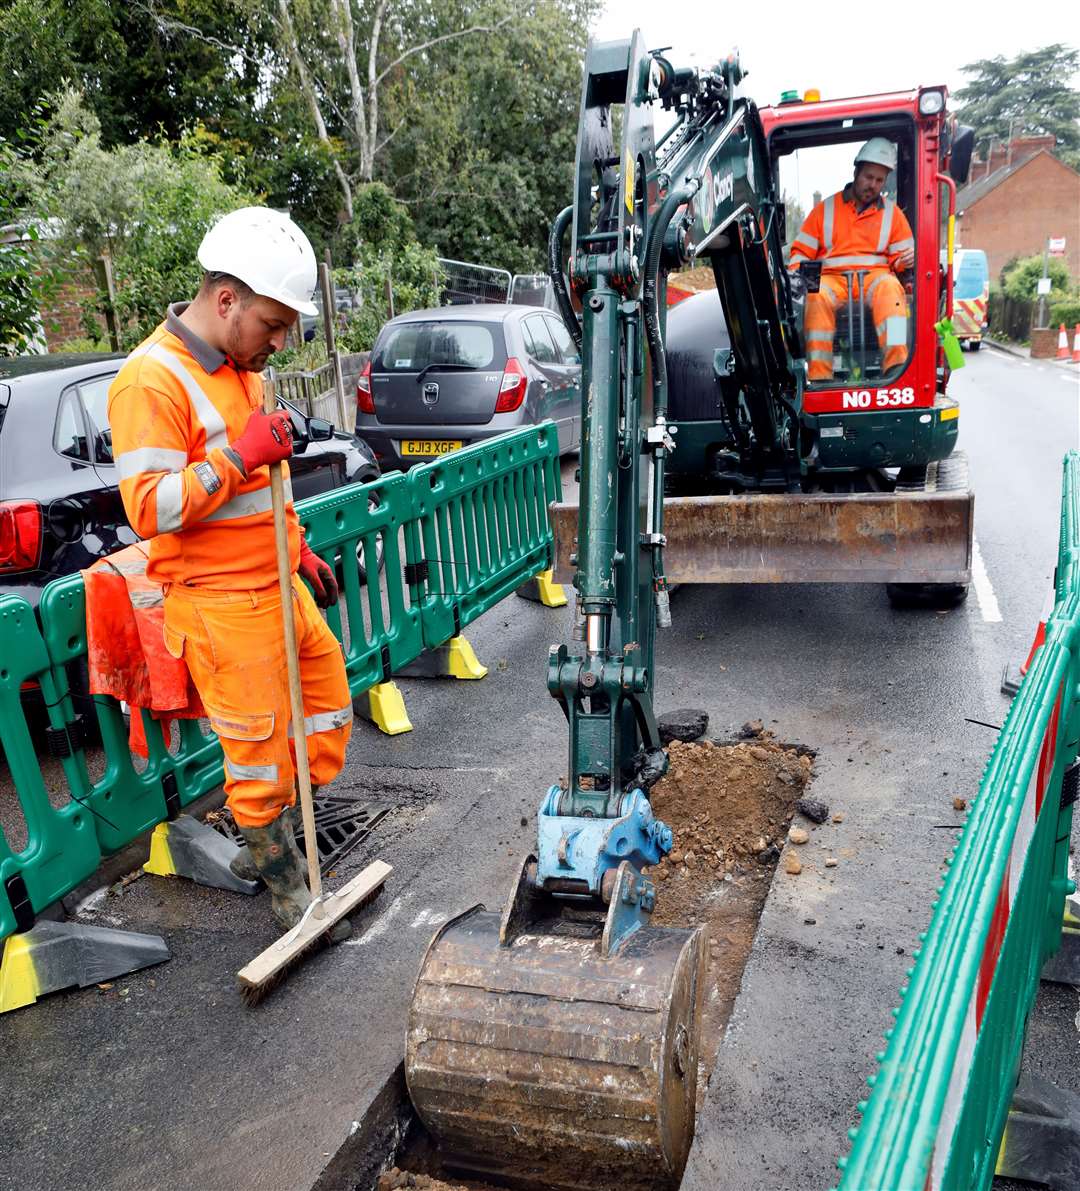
{"x": 549, "y": 1065}
{"x": 878, "y": 537}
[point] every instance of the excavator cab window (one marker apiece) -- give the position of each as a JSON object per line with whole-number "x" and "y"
{"x": 856, "y": 309}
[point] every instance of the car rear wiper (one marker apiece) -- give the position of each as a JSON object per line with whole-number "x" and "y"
{"x": 442, "y": 367}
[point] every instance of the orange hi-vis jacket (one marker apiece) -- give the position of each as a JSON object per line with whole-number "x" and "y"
{"x": 843, "y": 238}
{"x": 174, "y": 407}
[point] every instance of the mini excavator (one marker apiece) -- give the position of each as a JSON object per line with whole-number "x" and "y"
{"x": 556, "y": 1044}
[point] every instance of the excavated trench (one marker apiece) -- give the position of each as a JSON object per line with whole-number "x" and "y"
{"x": 731, "y": 804}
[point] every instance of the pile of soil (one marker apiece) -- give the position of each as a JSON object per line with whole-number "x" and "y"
{"x": 729, "y": 806}
{"x": 395, "y": 1178}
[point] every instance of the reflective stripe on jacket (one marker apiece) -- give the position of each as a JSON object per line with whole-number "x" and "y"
{"x": 843, "y": 238}
{"x": 172, "y": 422}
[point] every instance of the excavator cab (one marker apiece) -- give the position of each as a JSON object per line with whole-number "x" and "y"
{"x": 810, "y": 163}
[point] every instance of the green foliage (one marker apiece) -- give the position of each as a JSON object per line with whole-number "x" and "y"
{"x": 385, "y": 251}
{"x": 146, "y": 205}
{"x": 26, "y": 279}
{"x": 484, "y": 147}
{"x": 1029, "y": 94}
{"x": 1021, "y": 280}
{"x": 1067, "y": 312}
{"x": 83, "y": 343}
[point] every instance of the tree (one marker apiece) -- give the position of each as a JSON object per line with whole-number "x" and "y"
{"x": 1028, "y": 95}
{"x": 146, "y": 206}
{"x": 1021, "y": 279}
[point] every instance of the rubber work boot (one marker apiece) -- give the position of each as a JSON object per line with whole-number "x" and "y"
{"x": 243, "y": 866}
{"x": 276, "y": 856}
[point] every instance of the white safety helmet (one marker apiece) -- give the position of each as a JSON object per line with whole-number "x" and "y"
{"x": 878, "y": 150}
{"x": 266, "y": 251}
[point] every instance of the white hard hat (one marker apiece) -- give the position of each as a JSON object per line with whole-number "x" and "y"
{"x": 878, "y": 150}
{"x": 266, "y": 251}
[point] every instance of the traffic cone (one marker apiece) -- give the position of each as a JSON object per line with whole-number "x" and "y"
{"x": 1063, "y": 344}
{"x": 1010, "y": 683}
{"x": 1076, "y": 345}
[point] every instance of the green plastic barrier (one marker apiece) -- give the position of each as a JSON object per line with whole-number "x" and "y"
{"x": 941, "y": 1094}
{"x": 480, "y": 526}
{"x": 478, "y": 518}
{"x": 124, "y": 801}
{"x": 360, "y": 522}
{"x": 62, "y": 846}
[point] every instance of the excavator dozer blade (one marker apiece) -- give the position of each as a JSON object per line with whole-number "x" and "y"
{"x": 549, "y": 1065}
{"x": 879, "y": 537}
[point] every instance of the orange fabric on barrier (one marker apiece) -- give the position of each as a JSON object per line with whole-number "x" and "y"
{"x": 126, "y": 654}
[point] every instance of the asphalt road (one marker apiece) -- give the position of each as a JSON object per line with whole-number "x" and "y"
{"x": 165, "y": 1080}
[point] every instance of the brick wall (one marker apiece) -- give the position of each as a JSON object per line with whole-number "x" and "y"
{"x": 1040, "y": 199}
{"x": 62, "y": 316}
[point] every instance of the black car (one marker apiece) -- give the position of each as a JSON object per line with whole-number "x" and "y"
{"x": 60, "y": 507}
{"x": 441, "y": 379}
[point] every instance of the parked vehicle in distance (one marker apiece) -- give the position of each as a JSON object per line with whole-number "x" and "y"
{"x": 971, "y": 296}
{"x": 60, "y": 507}
{"x": 438, "y": 380}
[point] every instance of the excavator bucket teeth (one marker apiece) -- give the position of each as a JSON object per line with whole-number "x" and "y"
{"x": 549, "y": 1065}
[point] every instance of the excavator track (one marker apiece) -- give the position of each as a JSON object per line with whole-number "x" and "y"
{"x": 547, "y": 1064}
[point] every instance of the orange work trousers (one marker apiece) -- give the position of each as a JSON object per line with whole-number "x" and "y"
{"x": 233, "y": 644}
{"x": 888, "y": 304}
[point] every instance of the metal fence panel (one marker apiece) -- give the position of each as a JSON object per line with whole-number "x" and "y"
{"x": 464, "y": 283}
{"x": 941, "y": 1095}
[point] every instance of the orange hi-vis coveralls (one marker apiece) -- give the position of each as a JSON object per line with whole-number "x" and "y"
{"x": 174, "y": 407}
{"x": 870, "y": 241}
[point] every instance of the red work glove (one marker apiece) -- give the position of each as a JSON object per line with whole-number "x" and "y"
{"x": 267, "y": 438}
{"x": 319, "y": 575}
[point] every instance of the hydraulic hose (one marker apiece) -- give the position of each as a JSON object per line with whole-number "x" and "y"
{"x": 657, "y": 353}
{"x": 555, "y": 270}
{"x": 658, "y": 356}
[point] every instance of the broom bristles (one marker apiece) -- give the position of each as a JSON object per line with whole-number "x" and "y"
{"x": 273, "y": 965}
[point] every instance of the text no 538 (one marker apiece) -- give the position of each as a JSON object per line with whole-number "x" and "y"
{"x": 877, "y": 398}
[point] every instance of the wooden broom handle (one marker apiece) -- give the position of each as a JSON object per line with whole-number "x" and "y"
{"x": 296, "y": 696}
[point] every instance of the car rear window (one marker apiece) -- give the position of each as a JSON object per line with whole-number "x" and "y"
{"x": 413, "y": 346}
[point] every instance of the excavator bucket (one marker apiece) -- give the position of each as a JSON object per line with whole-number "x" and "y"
{"x": 548, "y": 1064}
{"x": 878, "y": 537}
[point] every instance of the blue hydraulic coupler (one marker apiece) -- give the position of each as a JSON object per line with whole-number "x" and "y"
{"x": 573, "y": 848}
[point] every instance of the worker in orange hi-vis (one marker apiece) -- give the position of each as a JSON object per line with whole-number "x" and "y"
{"x": 192, "y": 448}
{"x": 857, "y": 229}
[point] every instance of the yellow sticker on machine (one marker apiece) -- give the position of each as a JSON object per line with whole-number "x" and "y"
{"x": 628, "y": 182}
{"x": 423, "y": 446}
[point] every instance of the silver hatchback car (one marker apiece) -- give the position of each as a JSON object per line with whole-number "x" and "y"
{"x": 441, "y": 379}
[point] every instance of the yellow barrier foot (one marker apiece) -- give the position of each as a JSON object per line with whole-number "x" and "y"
{"x": 56, "y": 955}
{"x": 185, "y": 847}
{"x": 453, "y": 659}
{"x": 383, "y": 706}
{"x": 462, "y": 660}
{"x": 1041, "y": 1143}
{"x": 542, "y": 589}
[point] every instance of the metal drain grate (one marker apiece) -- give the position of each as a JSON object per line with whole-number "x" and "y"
{"x": 341, "y": 822}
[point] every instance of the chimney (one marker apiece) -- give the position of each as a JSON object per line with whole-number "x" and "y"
{"x": 1019, "y": 149}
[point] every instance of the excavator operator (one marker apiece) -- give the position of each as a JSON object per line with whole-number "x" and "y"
{"x": 862, "y": 240}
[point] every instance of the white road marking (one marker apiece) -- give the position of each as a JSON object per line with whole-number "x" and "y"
{"x": 380, "y": 927}
{"x": 429, "y": 918}
{"x": 984, "y": 591}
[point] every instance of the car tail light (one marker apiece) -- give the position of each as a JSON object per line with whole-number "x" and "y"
{"x": 20, "y": 535}
{"x": 512, "y": 389}
{"x": 364, "y": 401}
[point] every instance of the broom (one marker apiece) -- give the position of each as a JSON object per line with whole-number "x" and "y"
{"x": 273, "y": 965}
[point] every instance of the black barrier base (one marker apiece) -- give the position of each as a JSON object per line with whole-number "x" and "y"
{"x": 1042, "y": 1135}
